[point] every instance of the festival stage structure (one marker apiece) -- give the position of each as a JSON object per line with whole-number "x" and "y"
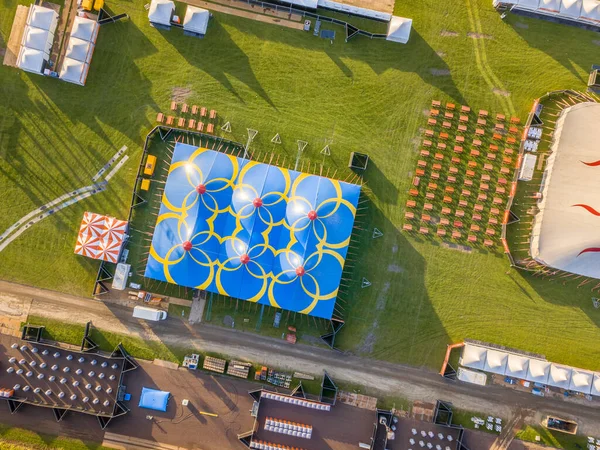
{"x": 63, "y": 378}
{"x": 100, "y": 237}
{"x": 253, "y": 231}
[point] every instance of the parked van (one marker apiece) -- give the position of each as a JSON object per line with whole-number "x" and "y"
{"x": 143, "y": 312}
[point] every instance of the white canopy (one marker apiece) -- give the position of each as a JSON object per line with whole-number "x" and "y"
{"x": 495, "y": 362}
{"x": 196, "y": 20}
{"x": 38, "y": 39}
{"x": 570, "y": 8}
{"x": 527, "y": 167}
{"x": 560, "y": 376}
{"x": 399, "y": 29}
{"x": 355, "y": 10}
{"x": 42, "y": 17}
{"x": 529, "y": 4}
{"x": 312, "y": 4}
{"x": 74, "y": 71}
{"x": 565, "y": 233}
{"x": 473, "y": 357}
{"x": 31, "y": 60}
{"x": 596, "y": 385}
{"x": 550, "y": 5}
{"x": 517, "y": 366}
{"x": 79, "y": 50}
{"x": 161, "y": 11}
{"x": 85, "y": 29}
{"x": 470, "y": 376}
{"x": 590, "y": 10}
{"x": 538, "y": 371}
{"x": 581, "y": 381}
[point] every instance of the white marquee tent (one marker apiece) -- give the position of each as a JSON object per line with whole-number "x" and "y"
{"x": 196, "y": 20}
{"x": 79, "y": 50}
{"x": 399, "y": 29}
{"x": 517, "y": 366}
{"x": 560, "y": 376}
{"x": 74, "y": 71}
{"x": 473, "y": 357}
{"x": 354, "y": 10}
{"x": 85, "y": 29}
{"x": 161, "y": 12}
{"x": 529, "y": 368}
{"x": 596, "y": 385}
{"x": 581, "y": 381}
{"x": 584, "y": 11}
{"x": 495, "y": 362}
{"x": 538, "y": 371}
{"x": 31, "y": 60}
{"x": 43, "y": 18}
{"x": 38, "y": 39}
{"x": 565, "y": 232}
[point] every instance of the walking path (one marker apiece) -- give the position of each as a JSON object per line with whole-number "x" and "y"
{"x": 390, "y": 379}
{"x": 68, "y": 199}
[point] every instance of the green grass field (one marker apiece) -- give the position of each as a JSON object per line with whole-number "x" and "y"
{"x": 363, "y": 95}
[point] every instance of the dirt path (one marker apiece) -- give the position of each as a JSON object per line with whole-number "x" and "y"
{"x": 391, "y": 379}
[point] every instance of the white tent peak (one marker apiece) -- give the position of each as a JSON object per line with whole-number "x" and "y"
{"x": 42, "y": 17}
{"x": 84, "y": 29}
{"x": 161, "y": 11}
{"x": 31, "y": 60}
{"x": 399, "y": 29}
{"x": 196, "y": 20}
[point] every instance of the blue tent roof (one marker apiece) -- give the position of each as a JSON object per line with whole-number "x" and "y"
{"x": 154, "y": 399}
{"x": 253, "y": 231}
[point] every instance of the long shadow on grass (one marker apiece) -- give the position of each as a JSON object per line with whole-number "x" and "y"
{"x": 393, "y": 318}
{"x": 568, "y": 51}
{"x": 229, "y": 60}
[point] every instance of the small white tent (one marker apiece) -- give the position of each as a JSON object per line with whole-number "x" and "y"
{"x": 560, "y": 376}
{"x": 79, "y": 50}
{"x": 538, "y": 371}
{"x": 42, "y": 17}
{"x": 31, "y": 60}
{"x": 84, "y": 29}
{"x": 552, "y": 6}
{"x": 473, "y": 357}
{"x": 590, "y": 11}
{"x": 495, "y": 362}
{"x": 570, "y": 8}
{"x": 74, "y": 71}
{"x": 38, "y": 39}
{"x": 596, "y": 385}
{"x": 399, "y": 29}
{"x": 517, "y": 366}
{"x": 581, "y": 381}
{"x": 196, "y": 20}
{"x": 161, "y": 12}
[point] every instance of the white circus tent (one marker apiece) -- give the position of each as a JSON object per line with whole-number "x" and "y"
{"x": 161, "y": 12}
{"x": 31, "y": 60}
{"x": 196, "y": 20}
{"x": 74, "y": 71}
{"x": 399, "y": 29}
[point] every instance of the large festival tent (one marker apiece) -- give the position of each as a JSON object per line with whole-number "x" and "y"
{"x": 399, "y": 29}
{"x": 38, "y": 37}
{"x": 529, "y": 368}
{"x": 581, "y": 11}
{"x": 80, "y": 48}
{"x": 565, "y": 231}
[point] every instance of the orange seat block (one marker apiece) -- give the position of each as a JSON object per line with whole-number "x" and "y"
{"x": 485, "y": 177}
{"x": 481, "y": 122}
{"x": 463, "y": 119}
{"x": 450, "y": 106}
{"x": 491, "y": 156}
{"x": 451, "y": 179}
{"x": 502, "y": 181}
{"x": 449, "y": 189}
{"x": 420, "y": 172}
{"x": 432, "y": 186}
{"x": 472, "y": 238}
{"x": 435, "y": 175}
{"x": 455, "y": 160}
{"x": 427, "y": 143}
{"x": 468, "y": 182}
{"x": 413, "y": 192}
{"x": 457, "y": 224}
{"x": 479, "y": 131}
{"x": 437, "y": 166}
{"x": 500, "y": 190}
{"x": 462, "y": 128}
{"x": 472, "y": 164}
{"x": 456, "y": 235}
{"x": 490, "y": 232}
{"x": 407, "y": 227}
{"x": 446, "y": 124}
{"x": 424, "y": 153}
{"x": 430, "y": 196}
{"x": 449, "y": 115}
{"x": 484, "y": 187}
{"x": 424, "y": 230}
{"x": 428, "y": 207}
{"x": 493, "y": 221}
{"x": 482, "y": 197}
{"x": 431, "y": 122}
{"x": 409, "y": 215}
{"x": 458, "y": 149}
{"x": 462, "y": 203}
{"x": 441, "y": 232}
{"x": 487, "y": 243}
{"x": 478, "y": 207}
{"x": 507, "y": 160}
{"x": 500, "y": 117}
{"x": 476, "y": 217}
{"x": 460, "y": 139}
{"x": 411, "y": 203}
{"x": 470, "y": 173}
{"x": 494, "y": 211}
{"x": 425, "y": 218}
{"x": 444, "y": 136}
{"x": 453, "y": 170}
{"x": 446, "y": 211}
{"x": 476, "y": 142}
{"x": 487, "y": 167}
{"x": 511, "y": 140}
{"x": 444, "y": 221}
{"x": 497, "y": 201}
{"x": 513, "y": 130}
{"x": 434, "y": 112}
{"x": 421, "y": 163}
{"x": 465, "y": 193}
{"x": 493, "y": 148}
{"x": 515, "y": 120}
{"x": 497, "y": 137}
{"x": 447, "y": 199}
{"x": 436, "y": 103}
{"x": 429, "y": 133}
{"x": 465, "y": 109}
{"x": 475, "y": 153}
{"x": 460, "y": 213}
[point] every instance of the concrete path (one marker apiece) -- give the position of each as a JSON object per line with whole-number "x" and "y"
{"x": 390, "y": 379}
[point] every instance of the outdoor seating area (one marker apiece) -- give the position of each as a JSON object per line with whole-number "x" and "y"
{"x": 459, "y": 191}
{"x": 197, "y": 118}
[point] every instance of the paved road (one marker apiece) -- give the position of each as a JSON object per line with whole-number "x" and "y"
{"x": 16, "y": 301}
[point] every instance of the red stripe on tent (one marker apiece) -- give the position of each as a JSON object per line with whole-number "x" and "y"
{"x": 588, "y": 208}
{"x": 589, "y": 250}
{"x": 591, "y": 164}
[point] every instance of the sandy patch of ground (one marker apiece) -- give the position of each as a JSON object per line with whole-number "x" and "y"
{"x": 479, "y": 35}
{"x": 448, "y": 33}
{"x": 440, "y": 72}
{"x": 501, "y": 92}
{"x": 181, "y": 94}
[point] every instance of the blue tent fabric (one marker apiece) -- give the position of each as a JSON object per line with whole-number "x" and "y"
{"x": 154, "y": 399}
{"x": 253, "y": 231}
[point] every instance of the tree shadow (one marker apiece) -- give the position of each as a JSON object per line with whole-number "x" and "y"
{"x": 233, "y": 61}
{"x": 393, "y": 318}
{"x": 567, "y": 50}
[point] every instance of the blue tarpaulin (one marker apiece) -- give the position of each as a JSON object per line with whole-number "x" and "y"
{"x": 154, "y": 399}
{"x": 253, "y": 231}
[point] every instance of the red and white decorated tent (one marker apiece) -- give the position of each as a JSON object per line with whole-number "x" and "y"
{"x": 100, "y": 237}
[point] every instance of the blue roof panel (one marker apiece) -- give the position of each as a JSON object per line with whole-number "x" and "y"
{"x": 253, "y": 231}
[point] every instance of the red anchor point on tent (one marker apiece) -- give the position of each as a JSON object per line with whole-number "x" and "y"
{"x": 257, "y": 202}
{"x": 300, "y": 271}
{"x": 200, "y": 189}
{"x": 312, "y": 215}
{"x": 244, "y": 259}
{"x": 187, "y": 246}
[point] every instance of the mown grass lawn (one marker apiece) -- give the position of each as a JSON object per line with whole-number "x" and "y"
{"x": 359, "y": 96}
